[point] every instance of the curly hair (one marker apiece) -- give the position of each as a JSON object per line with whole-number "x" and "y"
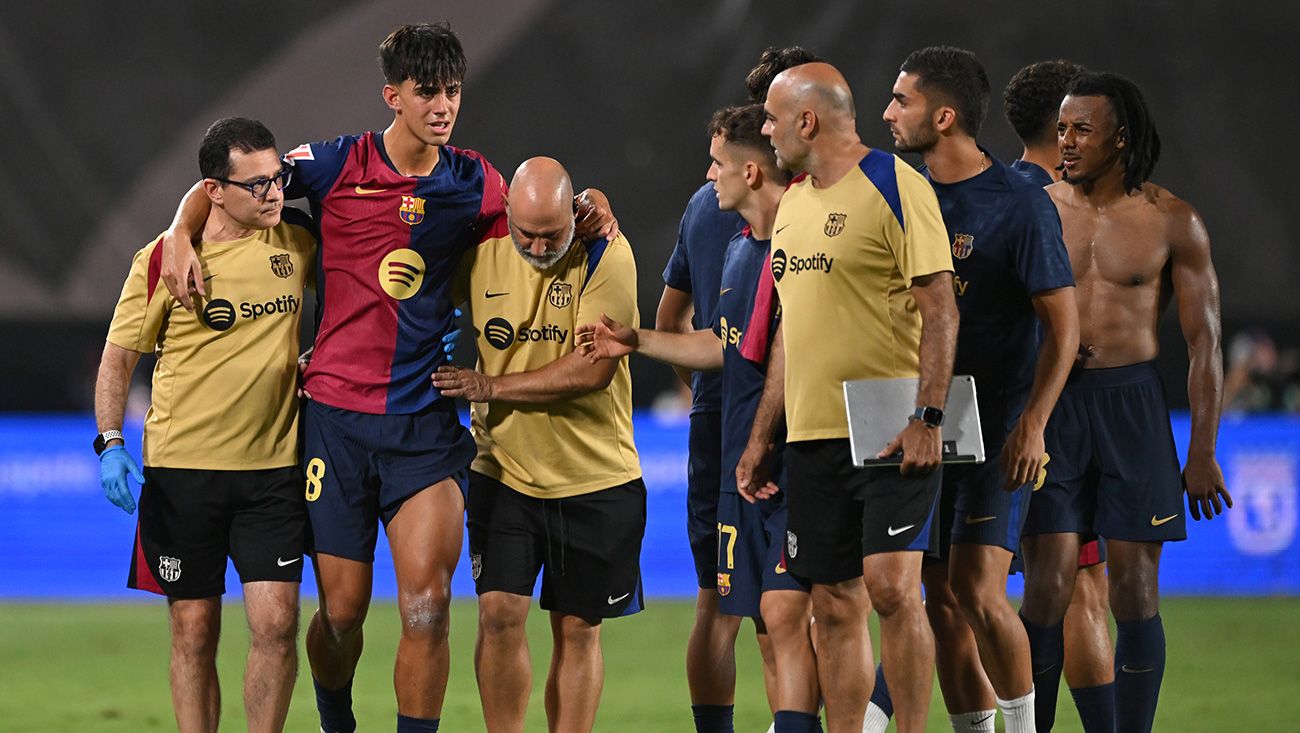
{"x": 1032, "y": 99}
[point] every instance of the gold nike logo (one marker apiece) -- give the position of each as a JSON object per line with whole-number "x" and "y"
{"x": 780, "y": 569}
{"x": 1157, "y": 522}
{"x": 364, "y": 191}
{"x": 978, "y": 520}
{"x": 724, "y": 291}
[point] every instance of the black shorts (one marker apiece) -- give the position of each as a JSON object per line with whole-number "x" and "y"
{"x": 1112, "y": 469}
{"x": 587, "y": 547}
{"x": 191, "y": 520}
{"x": 840, "y": 514}
{"x": 750, "y": 557}
{"x": 360, "y": 469}
{"x": 703, "y": 478}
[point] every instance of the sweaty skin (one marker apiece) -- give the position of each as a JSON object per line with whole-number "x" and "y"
{"x": 1121, "y": 256}
{"x": 1132, "y": 252}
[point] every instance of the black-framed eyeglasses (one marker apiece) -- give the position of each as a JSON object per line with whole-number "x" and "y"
{"x": 262, "y": 186}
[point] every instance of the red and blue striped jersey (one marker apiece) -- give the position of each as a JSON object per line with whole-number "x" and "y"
{"x": 389, "y": 248}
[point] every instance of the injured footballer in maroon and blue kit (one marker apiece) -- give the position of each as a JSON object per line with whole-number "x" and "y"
{"x": 390, "y": 245}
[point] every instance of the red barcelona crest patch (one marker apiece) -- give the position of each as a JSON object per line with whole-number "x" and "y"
{"x": 412, "y": 210}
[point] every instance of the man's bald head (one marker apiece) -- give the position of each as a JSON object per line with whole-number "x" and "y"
{"x": 540, "y": 210}
{"x": 808, "y": 106}
{"x": 818, "y": 87}
{"x": 543, "y": 183}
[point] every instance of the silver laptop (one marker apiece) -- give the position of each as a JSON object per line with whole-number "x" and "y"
{"x": 878, "y": 410}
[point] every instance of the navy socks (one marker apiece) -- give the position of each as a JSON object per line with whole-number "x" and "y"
{"x": 713, "y": 718}
{"x": 1046, "y": 655}
{"x": 1139, "y": 668}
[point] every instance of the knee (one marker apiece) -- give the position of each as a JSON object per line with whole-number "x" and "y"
{"x": 277, "y": 629}
{"x": 425, "y": 614}
{"x": 342, "y": 619}
{"x": 195, "y": 632}
{"x": 786, "y": 617}
{"x": 499, "y": 617}
{"x": 840, "y": 604}
{"x": 1133, "y": 596}
{"x": 1048, "y": 594}
{"x": 890, "y": 596}
{"x": 577, "y": 633}
{"x": 978, "y": 604}
{"x": 1090, "y": 597}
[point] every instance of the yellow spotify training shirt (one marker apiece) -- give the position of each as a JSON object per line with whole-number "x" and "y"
{"x": 225, "y": 383}
{"x": 524, "y": 318}
{"x": 843, "y": 258}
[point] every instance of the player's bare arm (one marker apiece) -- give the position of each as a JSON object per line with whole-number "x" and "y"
{"x": 676, "y": 308}
{"x": 182, "y": 272}
{"x": 753, "y": 470}
{"x": 1196, "y": 290}
{"x": 608, "y": 339}
{"x": 1022, "y": 456}
{"x": 571, "y": 375}
{"x": 920, "y": 443}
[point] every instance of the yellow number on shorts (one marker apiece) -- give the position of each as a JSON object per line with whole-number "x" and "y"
{"x": 731, "y": 533}
{"x": 315, "y": 472}
{"x": 1042, "y": 473}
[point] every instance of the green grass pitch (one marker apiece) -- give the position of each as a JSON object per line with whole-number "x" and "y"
{"x": 1233, "y": 665}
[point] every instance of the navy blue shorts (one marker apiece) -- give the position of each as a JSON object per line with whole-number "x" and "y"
{"x": 840, "y": 514}
{"x": 361, "y": 468}
{"x": 586, "y": 547}
{"x": 703, "y": 478}
{"x": 975, "y": 510}
{"x": 1112, "y": 469}
{"x": 750, "y": 558}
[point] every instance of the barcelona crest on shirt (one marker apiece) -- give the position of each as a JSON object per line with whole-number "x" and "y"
{"x": 281, "y": 265}
{"x": 834, "y": 224}
{"x": 412, "y": 210}
{"x": 962, "y": 246}
{"x": 560, "y": 294}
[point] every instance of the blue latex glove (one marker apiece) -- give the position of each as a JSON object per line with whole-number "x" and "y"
{"x": 114, "y": 465}
{"x": 449, "y": 341}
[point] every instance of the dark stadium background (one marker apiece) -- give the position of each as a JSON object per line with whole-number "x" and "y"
{"x": 102, "y": 106}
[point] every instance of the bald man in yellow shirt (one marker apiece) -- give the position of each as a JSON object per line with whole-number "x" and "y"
{"x": 556, "y": 487}
{"x": 861, "y": 263}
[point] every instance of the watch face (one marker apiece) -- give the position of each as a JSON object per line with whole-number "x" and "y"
{"x": 933, "y": 416}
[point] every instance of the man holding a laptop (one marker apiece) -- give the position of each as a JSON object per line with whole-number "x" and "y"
{"x": 860, "y": 260}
